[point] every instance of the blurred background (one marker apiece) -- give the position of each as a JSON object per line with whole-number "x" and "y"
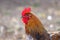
{"x": 11, "y": 26}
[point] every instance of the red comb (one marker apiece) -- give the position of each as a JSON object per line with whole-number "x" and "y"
{"x": 25, "y": 11}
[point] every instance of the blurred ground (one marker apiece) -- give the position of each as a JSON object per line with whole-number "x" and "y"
{"x": 11, "y": 26}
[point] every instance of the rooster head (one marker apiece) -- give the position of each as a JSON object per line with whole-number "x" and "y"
{"x": 26, "y": 15}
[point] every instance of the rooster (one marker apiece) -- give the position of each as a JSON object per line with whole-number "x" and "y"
{"x": 33, "y": 26}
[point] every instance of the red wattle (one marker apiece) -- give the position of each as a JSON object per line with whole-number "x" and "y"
{"x": 25, "y": 20}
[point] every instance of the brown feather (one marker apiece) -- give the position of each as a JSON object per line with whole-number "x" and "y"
{"x": 34, "y": 26}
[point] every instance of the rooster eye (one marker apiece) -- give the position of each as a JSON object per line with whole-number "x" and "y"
{"x": 26, "y": 15}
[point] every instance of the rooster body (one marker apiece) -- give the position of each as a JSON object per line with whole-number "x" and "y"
{"x": 33, "y": 26}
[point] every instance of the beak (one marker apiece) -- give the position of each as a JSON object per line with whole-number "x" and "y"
{"x": 21, "y": 17}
